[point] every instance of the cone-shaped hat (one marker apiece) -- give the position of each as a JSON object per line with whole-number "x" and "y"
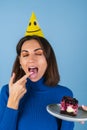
{"x": 33, "y": 27}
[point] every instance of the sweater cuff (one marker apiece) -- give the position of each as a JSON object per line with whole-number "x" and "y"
{"x": 9, "y": 120}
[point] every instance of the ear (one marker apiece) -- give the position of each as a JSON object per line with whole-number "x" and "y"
{"x": 20, "y": 60}
{"x": 20, "y": 63}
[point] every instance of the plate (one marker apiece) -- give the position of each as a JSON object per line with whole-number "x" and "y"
{"x": 54, "y": 109}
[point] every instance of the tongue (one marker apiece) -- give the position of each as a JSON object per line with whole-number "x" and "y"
{"x": 34, "y": 70}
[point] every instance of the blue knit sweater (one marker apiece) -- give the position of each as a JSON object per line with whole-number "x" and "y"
{"x": 32, "y": 113}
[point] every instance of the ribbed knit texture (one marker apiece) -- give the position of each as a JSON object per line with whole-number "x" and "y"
{"x": 32, "y": 113}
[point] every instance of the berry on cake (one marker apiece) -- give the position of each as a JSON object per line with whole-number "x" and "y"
{"x": 69, "y": 106}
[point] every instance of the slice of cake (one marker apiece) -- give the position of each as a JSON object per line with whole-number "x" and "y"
{"x": 69, "y": 106}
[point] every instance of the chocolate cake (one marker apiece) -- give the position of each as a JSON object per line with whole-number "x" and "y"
{"x": 69, "y": 106}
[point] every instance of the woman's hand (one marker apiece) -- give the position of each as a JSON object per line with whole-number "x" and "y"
{"x": 16, "y": 91}
{"x": 85, "y": 109}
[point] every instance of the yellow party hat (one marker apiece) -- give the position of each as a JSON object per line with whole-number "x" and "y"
{"x": 33, "y": 27}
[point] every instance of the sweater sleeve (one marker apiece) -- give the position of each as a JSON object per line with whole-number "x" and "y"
{"x": 8, "y": 116}
{"x": 67, "y": 125}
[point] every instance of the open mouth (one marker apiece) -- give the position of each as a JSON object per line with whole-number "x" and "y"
{"x": 33, "y": 71}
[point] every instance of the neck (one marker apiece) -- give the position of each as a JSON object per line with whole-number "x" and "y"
{"x": 36, "y": 86}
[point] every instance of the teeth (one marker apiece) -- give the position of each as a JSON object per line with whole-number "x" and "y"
{"x": 31, "y": 68}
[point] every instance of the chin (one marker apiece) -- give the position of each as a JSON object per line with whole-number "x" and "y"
{"x": 35, "y": 79}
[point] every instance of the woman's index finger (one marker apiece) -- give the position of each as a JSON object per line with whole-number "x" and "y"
{"x": 23, "y": 78}
{"x": 12, "y": 79}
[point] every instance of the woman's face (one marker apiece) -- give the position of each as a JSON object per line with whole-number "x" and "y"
{"x": 32, "y": 59}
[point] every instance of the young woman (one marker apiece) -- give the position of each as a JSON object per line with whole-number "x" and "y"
{"x": 33, "y": 85}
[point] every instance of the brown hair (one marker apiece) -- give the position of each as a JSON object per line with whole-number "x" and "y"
{"x": 51, "y": 75}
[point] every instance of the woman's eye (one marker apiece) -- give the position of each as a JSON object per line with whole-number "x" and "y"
{"x": 25, "y": 55}
{"x": 39, "y": 53}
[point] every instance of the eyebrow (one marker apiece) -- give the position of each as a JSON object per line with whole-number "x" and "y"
{"x": 34, "y": 50}
{"x": 38, "y": 49}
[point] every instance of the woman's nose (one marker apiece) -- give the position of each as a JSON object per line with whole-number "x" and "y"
{"x": 31, "y": 58}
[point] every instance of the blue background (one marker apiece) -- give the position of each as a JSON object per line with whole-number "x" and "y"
{"x": 64, "y": 23}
